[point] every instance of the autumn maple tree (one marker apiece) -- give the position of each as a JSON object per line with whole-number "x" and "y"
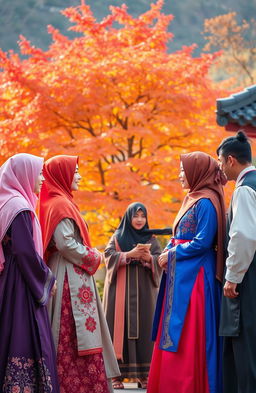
{"x": 237, "y": 42}
{"x": 117, "y": 98}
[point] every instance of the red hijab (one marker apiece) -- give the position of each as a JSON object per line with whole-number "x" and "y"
{"x": 206, "y": 180}
{"x": 56, "y": 199}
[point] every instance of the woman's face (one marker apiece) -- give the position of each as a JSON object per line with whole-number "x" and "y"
{"x": 183, "y": 179}
{"x": 76, "y": 179}
{"x": 39, "y": 183}
{"x": 139, "y": 220}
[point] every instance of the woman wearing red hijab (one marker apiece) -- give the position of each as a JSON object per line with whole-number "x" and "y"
{"x": 78, "y": 323}
{"x": 187, "y": 352}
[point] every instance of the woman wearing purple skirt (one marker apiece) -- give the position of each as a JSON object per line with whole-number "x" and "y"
{"x": 27, "y": 355}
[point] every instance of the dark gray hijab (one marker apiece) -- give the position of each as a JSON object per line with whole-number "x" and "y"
{"x": 128, "y": 237}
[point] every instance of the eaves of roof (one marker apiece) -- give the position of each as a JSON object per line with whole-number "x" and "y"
{"x": 238, "y": 110}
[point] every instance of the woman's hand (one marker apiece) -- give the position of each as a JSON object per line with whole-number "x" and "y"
{"x": 136, "y": 253}
{"x": 146, "y": 256}
{"x": 147, "y": 264}
{"x": 146, "y": 259}
{"x": 162, "y": 260}
{"x": 54, "y": 288}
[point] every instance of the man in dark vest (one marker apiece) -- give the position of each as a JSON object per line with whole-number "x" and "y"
{"x": 238, "y": 314}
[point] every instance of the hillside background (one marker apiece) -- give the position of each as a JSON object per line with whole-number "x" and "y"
{"x": 31, "y": 17}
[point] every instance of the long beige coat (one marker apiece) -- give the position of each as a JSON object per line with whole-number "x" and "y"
{"x": 70, "y": 255}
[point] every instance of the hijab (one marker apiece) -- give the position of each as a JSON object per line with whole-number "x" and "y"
{"x": 18, "y": 177}
{"x": 206, "y": 180}
{"x": 56, "y": 199}
{"x": 128, "y": 237}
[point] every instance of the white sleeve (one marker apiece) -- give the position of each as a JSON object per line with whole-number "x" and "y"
{"x": 242, "y": 233}
{"x": 66, "y": 243}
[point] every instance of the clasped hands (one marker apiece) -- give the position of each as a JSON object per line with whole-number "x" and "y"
{"x": 141, "y": 252}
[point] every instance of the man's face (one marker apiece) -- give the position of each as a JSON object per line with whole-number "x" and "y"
{"x": 227, "y": 166}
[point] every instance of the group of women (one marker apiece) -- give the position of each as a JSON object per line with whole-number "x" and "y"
{"x": 94, "y": 343}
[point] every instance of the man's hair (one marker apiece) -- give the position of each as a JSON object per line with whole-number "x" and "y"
{"x": 237, "y": 146}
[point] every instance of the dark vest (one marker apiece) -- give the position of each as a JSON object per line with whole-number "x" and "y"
{"x": 249, "y": 180}
{"x": 230, "y": 321}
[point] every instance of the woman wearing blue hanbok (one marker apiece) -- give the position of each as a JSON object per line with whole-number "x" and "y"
{"x": 186, "y": 357}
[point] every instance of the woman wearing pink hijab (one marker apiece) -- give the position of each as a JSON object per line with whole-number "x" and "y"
{"x": 27, "y": 356}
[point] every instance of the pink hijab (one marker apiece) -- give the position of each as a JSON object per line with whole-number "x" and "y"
{"x": 18, "y": 176}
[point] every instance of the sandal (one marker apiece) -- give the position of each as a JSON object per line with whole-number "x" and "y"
{"x": 117, "y": 383}
{"x": 142, "y": 382}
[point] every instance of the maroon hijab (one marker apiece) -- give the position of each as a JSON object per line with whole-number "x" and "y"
{"x": 206, "y": 180}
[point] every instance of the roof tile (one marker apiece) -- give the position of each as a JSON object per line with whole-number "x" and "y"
{"x": 239, "y": 108}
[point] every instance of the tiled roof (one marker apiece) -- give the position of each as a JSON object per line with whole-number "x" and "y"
{"x": 238, "y": 109}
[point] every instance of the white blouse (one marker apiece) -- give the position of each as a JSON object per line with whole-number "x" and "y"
{"x": 242, "y": 243}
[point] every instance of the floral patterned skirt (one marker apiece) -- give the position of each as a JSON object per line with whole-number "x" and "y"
{"x": 25, "y": 375}
{"x": 27, "y": 353}
{"x": 77, "y": 374}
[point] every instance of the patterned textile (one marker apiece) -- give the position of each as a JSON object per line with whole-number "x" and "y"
{"x": 27, "y": 353}
{"x": 77, "y": 374}
{"x": 86, "y": 303}
{"x": 24, "y": 375}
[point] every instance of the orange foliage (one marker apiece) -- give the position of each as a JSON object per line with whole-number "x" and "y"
{"x": 237, "y": 43}
{"x": 115, "y": 97}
